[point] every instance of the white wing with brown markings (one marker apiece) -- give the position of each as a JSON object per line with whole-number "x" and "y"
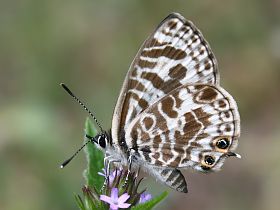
{"x": 174, "y": 54}
{"x": 185, "y": 127}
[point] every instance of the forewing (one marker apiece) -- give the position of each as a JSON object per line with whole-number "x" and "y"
{"x": 184, "y": 126}
{"x": 175, "y": 54}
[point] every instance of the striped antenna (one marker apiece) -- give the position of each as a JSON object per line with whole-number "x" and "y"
{"x": 90, "y": 139}
{"x": 82, "y": 104}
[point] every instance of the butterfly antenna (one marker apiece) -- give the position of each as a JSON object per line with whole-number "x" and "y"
{"x": 82, "y": 104}
{"x": 90, "y": 139}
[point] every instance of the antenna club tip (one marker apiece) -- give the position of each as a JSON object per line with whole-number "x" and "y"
{"x": 67, "y": 89}
{"x": 61, "y": 166}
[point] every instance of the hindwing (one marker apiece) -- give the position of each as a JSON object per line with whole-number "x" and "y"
{"x": 183, "y": 128}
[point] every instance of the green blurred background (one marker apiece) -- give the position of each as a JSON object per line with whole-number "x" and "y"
{"x": 89, "y": 46}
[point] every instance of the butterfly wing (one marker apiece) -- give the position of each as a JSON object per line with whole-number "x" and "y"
{"x": 173, "y": 55}
{"x": 187, "y": 127}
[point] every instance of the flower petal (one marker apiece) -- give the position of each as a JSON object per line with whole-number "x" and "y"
{"x": 106, "y": 199}
{"x": 115, "y": 194}
{"x": 123, "y": 198}
{"x": 144, "y": 197}
{"x": 124, "y": 205}
{"x": 148, "y": 197}
{"x": 114, "y": 206}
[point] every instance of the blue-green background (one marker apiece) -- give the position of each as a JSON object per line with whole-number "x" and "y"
{"x": 89, "y": 45}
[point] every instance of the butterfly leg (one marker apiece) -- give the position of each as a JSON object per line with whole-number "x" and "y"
{"x": 107, "y": 164}
{"x": 129, "y": 163}
{"x": 137, "y": 172}
{"x": 106, "y": 170}
{"x": 128, "y": 170}
{"x": 108, "y": 160}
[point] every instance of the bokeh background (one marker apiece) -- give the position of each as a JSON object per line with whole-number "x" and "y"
{"x": 89, "y": 45}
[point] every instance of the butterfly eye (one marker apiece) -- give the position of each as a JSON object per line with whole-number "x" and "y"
{"x": 222, "y": 143}
{"x": 102, "y": 141}
{"x": 209, "y": 160}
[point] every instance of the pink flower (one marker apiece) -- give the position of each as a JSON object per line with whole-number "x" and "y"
{"x": 144, "y": 197}
{"x": 112, "y": 175}
{"x": 115, "y": 201}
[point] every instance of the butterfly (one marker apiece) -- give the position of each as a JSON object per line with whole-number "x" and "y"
{"x": 172, "y": 113}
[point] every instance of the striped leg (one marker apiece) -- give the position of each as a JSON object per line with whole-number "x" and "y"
{"x": 128, "y": 170}
{"x": 108, "y": 160}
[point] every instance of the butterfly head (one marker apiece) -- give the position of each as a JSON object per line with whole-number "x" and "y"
{"x": 101, "y": 140}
